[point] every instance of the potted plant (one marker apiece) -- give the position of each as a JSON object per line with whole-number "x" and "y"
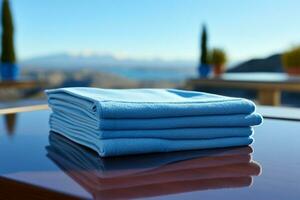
{"x": 218, "y": 60}
{"x": 291, "y": 61}
{"x": 204, "y": 66}
{"x": 9, "y": 69}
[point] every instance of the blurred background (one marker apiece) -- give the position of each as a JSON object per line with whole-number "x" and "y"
{"x": 153, "y": 44}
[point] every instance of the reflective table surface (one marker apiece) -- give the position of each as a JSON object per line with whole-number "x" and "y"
{"x": 36, "y": 164}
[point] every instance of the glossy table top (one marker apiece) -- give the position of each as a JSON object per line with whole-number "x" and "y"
{"x": 43, "y": 166}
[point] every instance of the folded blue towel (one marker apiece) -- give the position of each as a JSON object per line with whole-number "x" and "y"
{"x": 159, "y": 123}
{"x": 240, "y": 120}
{"x": 125, "y": 146}
{"x": 135, "y": 121}
{"x": 64, "y": 124}
{"x": 144, "y": 103}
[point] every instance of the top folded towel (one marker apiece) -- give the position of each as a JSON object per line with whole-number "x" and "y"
{"x": 145, "y": 103}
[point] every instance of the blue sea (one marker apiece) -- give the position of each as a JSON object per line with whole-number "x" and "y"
{"x": 150, "y": 74}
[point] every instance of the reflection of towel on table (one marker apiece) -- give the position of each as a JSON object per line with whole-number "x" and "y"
{"x": 141, "y": 176}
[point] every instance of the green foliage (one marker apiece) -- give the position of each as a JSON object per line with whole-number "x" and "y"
{"x": 218, "y": 57}
{"x": 204, "y": 52}
{"x": 291, "y": 58}
{"x": 8, "y": 51}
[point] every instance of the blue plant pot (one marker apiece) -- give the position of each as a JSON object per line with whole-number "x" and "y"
{"x": 9, "y": 71}
{"x": 204, "y": 70}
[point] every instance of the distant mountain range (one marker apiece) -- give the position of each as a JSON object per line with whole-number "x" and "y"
{"x": 66, "y": 60}
{"x": 269, "y": 64}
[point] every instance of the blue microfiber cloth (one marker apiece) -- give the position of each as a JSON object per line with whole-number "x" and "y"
{"x": 67, "y": 124}
{"x": 129, "y": 146}
{"x": 150, "y": 109}
{"x": 238, "y": 120}
{"x": 145, "y": 103}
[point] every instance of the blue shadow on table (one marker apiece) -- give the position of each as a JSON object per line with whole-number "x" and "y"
{"x": 145, "y": 175}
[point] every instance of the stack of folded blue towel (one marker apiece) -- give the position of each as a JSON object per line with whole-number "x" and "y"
{"x": 133, "y": 121}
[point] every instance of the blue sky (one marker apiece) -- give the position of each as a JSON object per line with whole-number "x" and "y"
{"x": 167, "y": 29}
